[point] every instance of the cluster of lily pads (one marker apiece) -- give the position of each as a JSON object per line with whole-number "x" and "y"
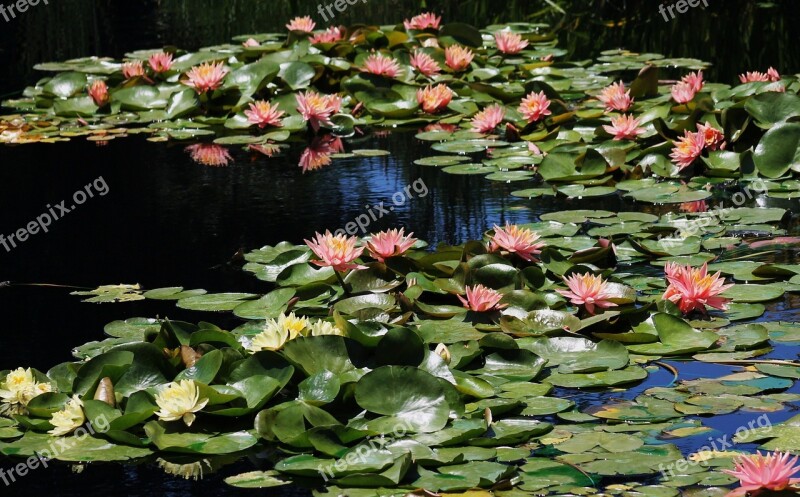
{"x": 384, "y": 368}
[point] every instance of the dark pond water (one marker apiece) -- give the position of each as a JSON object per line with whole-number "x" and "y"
{"x": 167, "y": 220}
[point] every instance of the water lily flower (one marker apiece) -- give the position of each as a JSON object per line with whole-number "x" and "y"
{"x": 424, "y": 63}
{"x": 694, "y": 289}
{"x": 304, "y": 24}
{"x": 534, "y": 149}
{"x": 615, "y": 97}
{"x": 68, "y": 419}
{"x": 695, "y": 80}
{"x": 317, "y": 108}
{"x": 18, "y": 389}
{"x": 389, "y": 243}
{"x": 337, "y": 252}
{"x": 517, "y": 240}
{"x": 330, "y": 35}
{"x": 180, "y": 401}
{"x": 758, "y": 472}
{"x": 696, "y": 206}
{"x": 443, "y": 352}
{"x": 750, "y": 77}
{"x": 587, "y": 290}
{"x": 443, "y": 127}
{"x": 688, "y": 149}
{"x": 434, "y": 99}
{"x": 482, "y": 299}
{"x": 192, "y": 471}
{"x": 683, "y": 92}
{"x": 98, "y": 90}
{"x": 534, "y": 106}
{"x": 457, "y": 57}
{"x": 318, "y": 154}
{"x": 488, "y": 119}
{"x": 272, "y": 338}
{"x": 209, "y": 154}
{"x": 426, "y": 20}
{"x": 206, "y": 76}
{"x": 290, "y": 325}
{"x": 160, "y": 62}
{"x": 713, "y": 138}
{"x": 624, "y": 127}
{"x": 321, "y": 327}
{"x": 251, "y": 43}
{"x": 132, "y": 69}
{"x": 263, "y": 114}
{"x": 381, "y": 65}
{"x": 431, "y": 42}
{"x": 509, "y": 43}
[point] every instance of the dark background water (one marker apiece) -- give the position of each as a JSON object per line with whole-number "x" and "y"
{"x": 169, "y": 221}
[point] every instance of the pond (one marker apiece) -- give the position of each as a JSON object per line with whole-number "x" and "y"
{"x": 160, "y": 214}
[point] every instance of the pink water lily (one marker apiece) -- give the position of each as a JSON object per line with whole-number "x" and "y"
{"x": 317, "y": 108}
{"x": 516, "y": 240}
{"x": 693, "y": 288}
{"x": 251, "y": 43}
{"x": 381, "y": 65}
{"x": 695, "y": 80}
{"x": 683, "y": 92}
{"x": 337, "y": 252}
{"x": 488, "y": 119}
{"x": 509, "y": 43}
{"x": 389, "y": 243}
{"x": 534, "y": 106}
{"x": 758, "y": 472}
{"x": 263, "y": 114}
{"x": 304, "y": 24}
{"x": 482, "y": 299}
{"x": 424, "y": 63}
{"x": 98, "y": 90}
{"x": 615, "y": 97}
{"x": 457, "y": 57}
{"x": 687, "y": 149}
{"x": 132, "y": 69}
{"x": 330, "y": 35}
{"x": 206, "y": 77}
{"x": 160, "y": 62}
{"x": 426, "y": 20}
{"x": 754, "y": 76}
{"x": 432, "y": 99}
{"x": 714, "y": 139}
{"x": 624, "y": 127}
{"x": 587, "y": 290}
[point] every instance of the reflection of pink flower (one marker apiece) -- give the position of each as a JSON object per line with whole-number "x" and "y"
{"x": 615, "y": 97}
{"x": 264, "y": 114}
{"x": 587, "y": 290}
{"x": 457, "y": 57}
{"x": 713, "y": 138}
{"x": 535, "y": 106}
{"x": 489, "y": 118}
{"x": 688, "y": 149}
{"x": 759, "y": 472}
{"x": 624, "y": 127}
{"x": 268, "y": 149}
{"x": 683, "y": 92}
{"x": 337, "y": 252}
{"x": 251, "y": 43}
{"x": 693, "y": 288}
{"x": 389, "y": 243}
{"x": 209, "y": 154}
{"x": 695, "y": 80}
{"x": 304, "y": 24}
{"x": 433, "y": 99}
{"x": 132, "y": 69}
{"x": 318, "y": 154}
{"x": 381, "y": 65}
{"x": 206, "y": 76}
{"x": 521, "y": 241}
{"x": 509, "y": 43}
{"x": 330, "y": 35}
{"x": 447, "y": 128}
{"x": 696, "y": 206}
{"x": 424, "y": 63}
{"x": 482, "y": 299}
{"x": 98, "y": 90}
{"x": 317, "y": 108}
{"x": 423, "y": 21}
{"x": 160, "y": 62}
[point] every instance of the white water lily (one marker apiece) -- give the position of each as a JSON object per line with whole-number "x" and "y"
{"x": 180, "y": 400}
{"x": 18, "y": 389}
{"x": 270, "y": 339}
{"x": 322, "y": 327}
{"x": 68, "y": 419}
{"x": 193, "y": 470}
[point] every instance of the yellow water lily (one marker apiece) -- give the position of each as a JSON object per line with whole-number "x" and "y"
{"x": 321, "y": 327}
{"x": 68, "y": 419}
{"x": 180, "y": 400}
